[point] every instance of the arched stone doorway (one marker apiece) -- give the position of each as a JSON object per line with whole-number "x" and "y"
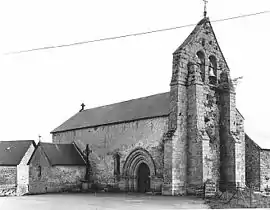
{"x": 143, "y": 178}
{"x": 138, "y": 170}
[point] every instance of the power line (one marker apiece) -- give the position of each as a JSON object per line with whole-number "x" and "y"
{"x": 134, "y": 34}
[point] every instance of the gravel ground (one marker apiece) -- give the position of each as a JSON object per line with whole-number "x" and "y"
{"x": 99, "y": 201}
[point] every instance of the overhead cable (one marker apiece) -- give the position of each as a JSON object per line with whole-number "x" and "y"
{"x": 134, "y": 34}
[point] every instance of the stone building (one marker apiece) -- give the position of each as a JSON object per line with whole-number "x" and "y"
{"x": 56, "y": 168}
{"x": 171, "y": 142}
{"x": 257, "y": 166}
{"x": 14, "y": 157}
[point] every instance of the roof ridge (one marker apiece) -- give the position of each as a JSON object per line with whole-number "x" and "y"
{"x": 125, "y": 101}
{"x": 17, "y": 140}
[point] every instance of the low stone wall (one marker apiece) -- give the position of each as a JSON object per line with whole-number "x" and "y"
{"x": 265, "y": 170}
{"x": 7, "y": 190}
{"x": 8, "y": 180}
{"x": 56, "y": 179}
{"x": 252, "y": 163}
{"x": 22, "y": 179}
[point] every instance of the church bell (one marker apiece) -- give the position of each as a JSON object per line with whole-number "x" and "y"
{"x": 211, "y": 73}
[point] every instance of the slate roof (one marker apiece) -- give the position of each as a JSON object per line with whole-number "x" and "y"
{"x": 62, "y": 154}
{"x": 12, "y": 152}
{"x": 141, "y": 108}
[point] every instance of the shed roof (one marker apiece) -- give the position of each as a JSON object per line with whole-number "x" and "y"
{"x": 141, "y": 108}
{"x": 62, "y": 154}
{"x": 12, "y": 152}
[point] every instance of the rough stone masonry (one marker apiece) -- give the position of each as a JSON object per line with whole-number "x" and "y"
{"x": 186, "y": 137}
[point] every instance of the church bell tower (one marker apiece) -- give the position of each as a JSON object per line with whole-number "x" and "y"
{"x": 202, "y": 143}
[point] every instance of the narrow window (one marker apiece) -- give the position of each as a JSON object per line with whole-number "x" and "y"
{"x": 39, "y": 171}
{"x": 201, "y": 57}
{"x": 212, "y": 70}
{"x": 117, "y": 164}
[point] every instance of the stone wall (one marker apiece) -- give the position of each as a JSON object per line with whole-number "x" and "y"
{"x": 23, "y": 172}
{"x": 55, "y": 179}
{"x": 191, "y": 69}
{"x": 123, "y": 138}
{"x": 252, "y": 163}
{"x": 22, "y": 179}
{"x": 264, "y": 169}
{"x": 240, "y": 150}
{"x": 202, "y": 78}
{"x": 45, "y": 178}
{"x": 8, "y": 180}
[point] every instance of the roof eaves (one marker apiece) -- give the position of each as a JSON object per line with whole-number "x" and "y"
{"x": 268, "y": 150}
{"x": 11, "y": 165}
{"x": 64, "y": 164}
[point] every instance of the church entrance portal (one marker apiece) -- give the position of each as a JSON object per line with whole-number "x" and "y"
{"x": 143, "y": 178}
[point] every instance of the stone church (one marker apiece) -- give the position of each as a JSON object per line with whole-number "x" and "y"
{"x": 170, "y": 142}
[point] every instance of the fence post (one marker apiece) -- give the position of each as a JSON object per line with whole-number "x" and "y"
{"x": 250, "y": 196}
{"x": 237, "y": 194}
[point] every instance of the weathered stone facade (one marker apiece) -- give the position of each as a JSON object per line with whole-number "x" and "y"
{"x": 8, "y": 180}
{"x": 265, "y": 170}
{"x": 125, "y": 139}
{"x": 23, "y": 172}
{"x": 44, "y": 177}
{"x": 252, "y": 163}
{"x": 14, "y": 179}
{"x": 207, "y": 144}
{"x": 200, "y": 137}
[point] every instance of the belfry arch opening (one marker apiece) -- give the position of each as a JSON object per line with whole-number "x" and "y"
{"x": 212, "y": 70}
{"x": 201, "y": 63}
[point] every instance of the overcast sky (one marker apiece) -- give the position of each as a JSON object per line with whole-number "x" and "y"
{"x": 42, "y": 89}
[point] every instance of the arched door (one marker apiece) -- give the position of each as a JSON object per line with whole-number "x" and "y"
{"x": 143, "y": 178}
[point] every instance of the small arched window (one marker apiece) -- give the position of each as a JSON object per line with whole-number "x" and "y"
{"x": 117, "y": 164}
{"x": 212, "y": 70}
{"x": 201, "y": 57}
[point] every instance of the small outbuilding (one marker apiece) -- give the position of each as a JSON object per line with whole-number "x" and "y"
{"x": 56, "y": 168}
{"x": 14, "y": 158}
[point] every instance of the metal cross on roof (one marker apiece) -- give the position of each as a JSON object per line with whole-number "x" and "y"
{"x": 82, "y": 105}
{"x": 205, "y": 8}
